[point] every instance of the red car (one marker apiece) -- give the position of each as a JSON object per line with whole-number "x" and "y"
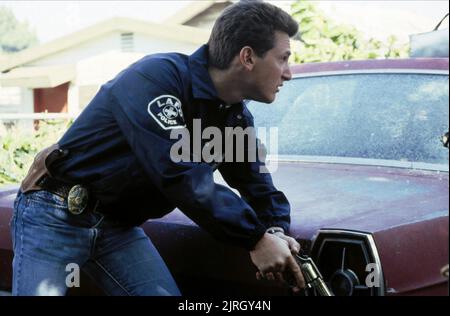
{"x": 360, "y": 159}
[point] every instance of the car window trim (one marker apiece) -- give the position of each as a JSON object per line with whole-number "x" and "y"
{"x": 360, "y": 161}
{"x": 372, "y": 71}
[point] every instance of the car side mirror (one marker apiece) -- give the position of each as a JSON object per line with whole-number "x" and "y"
{"x": 444, "y": 140}
{"x": 444, "y": 271}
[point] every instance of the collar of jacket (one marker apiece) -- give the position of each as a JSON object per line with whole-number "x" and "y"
{"x": 202, "y": 85}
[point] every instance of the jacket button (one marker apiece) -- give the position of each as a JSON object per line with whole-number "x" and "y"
{"x": 239, "y": 117}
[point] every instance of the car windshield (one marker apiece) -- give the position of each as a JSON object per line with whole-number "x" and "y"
{"x": 388, "y": 116}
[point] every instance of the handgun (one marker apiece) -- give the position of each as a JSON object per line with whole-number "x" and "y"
{"x": 313, "y": 278}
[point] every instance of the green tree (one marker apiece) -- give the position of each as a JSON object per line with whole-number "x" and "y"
{"x": 321, "y": 39}
{"x": 14, "y": 35}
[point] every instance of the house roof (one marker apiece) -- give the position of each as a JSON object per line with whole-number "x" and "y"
{"x": 167, "y": 31}
{"x": 189, "y": 12}
{"x": 38, "y": 77}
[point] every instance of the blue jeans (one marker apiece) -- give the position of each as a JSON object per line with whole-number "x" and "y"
{"x": 50, "y": 243}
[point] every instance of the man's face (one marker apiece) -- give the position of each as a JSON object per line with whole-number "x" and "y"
{"x": 272, "y": 70}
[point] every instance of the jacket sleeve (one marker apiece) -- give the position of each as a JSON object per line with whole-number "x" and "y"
{"x": 256, "y": 187}
{"x": 187, "y": 185}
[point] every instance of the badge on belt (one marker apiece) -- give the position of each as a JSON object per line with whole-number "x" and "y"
{"x": 77, "y": 199}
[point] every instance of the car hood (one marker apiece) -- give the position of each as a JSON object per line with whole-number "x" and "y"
{"x": 361, "y": 198}
{"x": 344, "y": 196}
{"x": 355, "y": 197}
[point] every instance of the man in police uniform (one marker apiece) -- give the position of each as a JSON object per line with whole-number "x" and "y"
{"x": 85, "y": 197}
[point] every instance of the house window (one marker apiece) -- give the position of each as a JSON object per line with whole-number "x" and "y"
{"x": 127, "y": 42}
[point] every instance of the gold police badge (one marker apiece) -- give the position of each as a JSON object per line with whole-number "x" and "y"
{"x": 77, "y": 199}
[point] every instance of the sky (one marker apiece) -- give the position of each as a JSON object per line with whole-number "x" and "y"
{"x": 53, "y": 19}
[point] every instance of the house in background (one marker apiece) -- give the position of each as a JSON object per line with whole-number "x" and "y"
{"x": 201, "y": 14}
{"x": 62, "y": 76}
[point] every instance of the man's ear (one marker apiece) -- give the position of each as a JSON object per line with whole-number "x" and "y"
{"x": 247, "y": 57}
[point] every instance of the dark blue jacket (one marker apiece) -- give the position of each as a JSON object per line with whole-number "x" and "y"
{"x": 119, "y": 147}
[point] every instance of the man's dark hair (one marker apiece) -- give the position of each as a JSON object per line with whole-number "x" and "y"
{"x": 247, "y": 23}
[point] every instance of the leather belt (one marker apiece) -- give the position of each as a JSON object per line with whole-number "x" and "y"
{"x": 77, "y": 196}
{"x": 55, "y": 186}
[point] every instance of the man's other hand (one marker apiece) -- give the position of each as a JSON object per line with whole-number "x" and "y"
{"x": 273, "y": 257}
{"x": 294, "y": 246}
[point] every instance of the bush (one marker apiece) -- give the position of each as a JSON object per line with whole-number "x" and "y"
{"x": 18, "y": 148}
{"x": 322, "y": 39}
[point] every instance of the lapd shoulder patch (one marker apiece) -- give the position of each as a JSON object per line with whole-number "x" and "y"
{"x": 166, "y": 111}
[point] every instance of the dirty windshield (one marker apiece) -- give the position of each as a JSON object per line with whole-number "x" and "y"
{"x": 397, "y": 117}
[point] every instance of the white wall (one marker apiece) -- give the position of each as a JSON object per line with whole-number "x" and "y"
{"x": 103, "y": 67}
{"x": 98, "y": 69}
{"x": 110, "y": 42}
{"x": 73, "y": 98}
{"x": 150, "y": 45}
{"x": 16, "y": 100}
{"x": 10, "y": 99}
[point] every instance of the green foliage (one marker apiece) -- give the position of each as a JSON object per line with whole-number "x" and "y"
{"x": 14, "y": 35}
{"x": 18, "y": 148}
{"x": 323, "y": 40}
